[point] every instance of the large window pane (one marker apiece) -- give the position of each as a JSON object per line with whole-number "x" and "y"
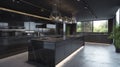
{"x": 100, "y": 26}
{"x": 87, "y": 26}
{"x": 79, "y": 27}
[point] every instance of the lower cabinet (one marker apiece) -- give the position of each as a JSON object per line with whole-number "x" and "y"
{"x": 51, "y": 53}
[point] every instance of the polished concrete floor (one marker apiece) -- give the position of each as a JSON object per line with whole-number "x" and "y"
{"x": 20, "y": 60}
{"x": 95, "y": 55}
{"x": 92, "y": 55}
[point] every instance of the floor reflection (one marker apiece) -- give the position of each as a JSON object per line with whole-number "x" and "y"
{"x": 95, "y": 55}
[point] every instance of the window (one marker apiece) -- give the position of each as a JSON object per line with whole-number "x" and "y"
{"x": 87, "y": 26}
{"x": 79, "y": 27}
{"x": 118, "y": 16}
{"x": 100, "y": 26}
{"x": 93, "y": 26}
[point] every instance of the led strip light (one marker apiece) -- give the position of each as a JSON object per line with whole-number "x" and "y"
{"x": 68, "y": 58}
{"x": 22, "y": 13}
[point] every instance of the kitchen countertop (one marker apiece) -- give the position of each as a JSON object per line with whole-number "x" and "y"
{"x": 57, "y": 38}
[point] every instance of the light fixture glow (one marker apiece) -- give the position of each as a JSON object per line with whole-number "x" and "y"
{"x": 60, "y": 20}
{"x": 29, "y": 31}
{"x": 78, "y": 0}
{"x": 66, "y": 21}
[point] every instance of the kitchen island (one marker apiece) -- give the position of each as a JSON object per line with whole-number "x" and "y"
{"x": 52, "y": 50}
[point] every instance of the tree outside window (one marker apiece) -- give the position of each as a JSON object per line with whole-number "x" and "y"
{"x": 100, "y": 26}
{"x": 79, "y": 27}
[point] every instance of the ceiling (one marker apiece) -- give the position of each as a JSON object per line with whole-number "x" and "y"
{"x": 83, "y": 10}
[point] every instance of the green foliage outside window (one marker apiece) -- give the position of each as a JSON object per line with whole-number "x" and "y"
{"x": 93, "y": 26}
{"x": 100, "y": 26}
{"x": 79, "y": 27}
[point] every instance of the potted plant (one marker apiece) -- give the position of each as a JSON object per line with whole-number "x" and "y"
{"x": 115, "y": 35}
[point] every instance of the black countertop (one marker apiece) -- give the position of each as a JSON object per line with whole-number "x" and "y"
{"x": 57, "y": 38}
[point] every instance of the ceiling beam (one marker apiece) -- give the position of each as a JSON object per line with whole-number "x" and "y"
{"x": 23, "y": 13}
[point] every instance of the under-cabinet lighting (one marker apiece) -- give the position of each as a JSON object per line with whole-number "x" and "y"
{"x": 29, "y": 31}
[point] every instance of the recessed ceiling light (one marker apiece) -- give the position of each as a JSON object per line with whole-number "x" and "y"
{"x": 17, "y": 1}
{"x": 86, "y": 7}
{"x": 78, "y": 0}
{"x": 55, "y": 4}
{"x": 13, "y": 0}
{"x": 42, "y": 10}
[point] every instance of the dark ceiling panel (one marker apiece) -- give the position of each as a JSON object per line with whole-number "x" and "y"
{"x": 103, "y": 9}
{"x": 21, "y": 6}
{"x": 82, "y": 10}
